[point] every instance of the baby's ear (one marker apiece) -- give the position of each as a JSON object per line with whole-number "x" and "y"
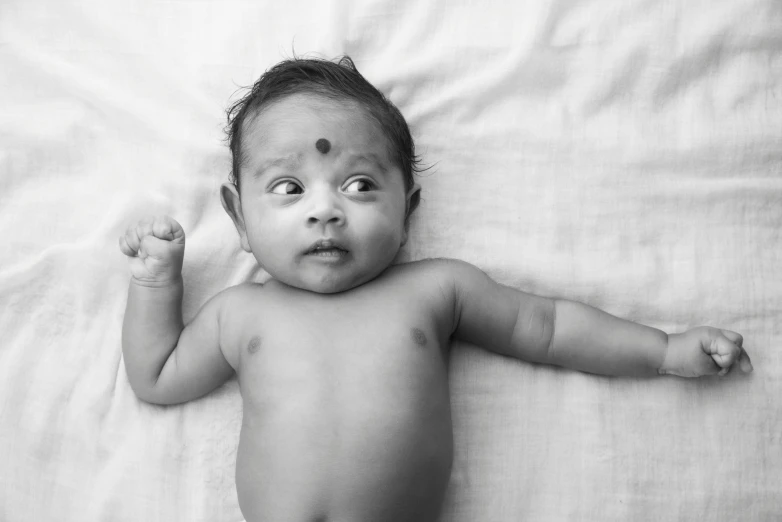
{"x": 232, "y": 203}
{"x": 412, "y": 199}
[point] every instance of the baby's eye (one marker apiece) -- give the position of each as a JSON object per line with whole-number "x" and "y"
{"x": 359, "y": 185}
{"x": 287, "y": 188}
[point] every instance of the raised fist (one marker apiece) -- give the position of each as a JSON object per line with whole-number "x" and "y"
{"x": 155, "y": 248}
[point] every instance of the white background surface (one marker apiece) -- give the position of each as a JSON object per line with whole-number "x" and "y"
{"x": 623, "y": 154}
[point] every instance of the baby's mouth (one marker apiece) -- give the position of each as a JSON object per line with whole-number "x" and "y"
{"x": 327, "y": 252}
{"x": 326, "y": 248}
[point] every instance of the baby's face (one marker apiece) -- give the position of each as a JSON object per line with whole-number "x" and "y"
{"x": 322, "y": 207}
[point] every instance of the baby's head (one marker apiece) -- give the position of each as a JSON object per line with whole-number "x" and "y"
{"x": 322, "y": 176}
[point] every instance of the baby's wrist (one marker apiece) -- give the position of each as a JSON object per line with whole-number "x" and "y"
{"x": 172, "y": 282}
{"x": 155, "y": 293}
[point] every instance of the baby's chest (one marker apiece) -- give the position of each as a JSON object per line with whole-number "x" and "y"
{"x": 357, "y": 351}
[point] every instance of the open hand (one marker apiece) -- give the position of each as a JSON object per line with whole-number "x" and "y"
{"x": 155, "y": 248}
{"x": 705, "y": 351}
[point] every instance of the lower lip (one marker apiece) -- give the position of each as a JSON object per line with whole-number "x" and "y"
{"x": 329, "y": 256}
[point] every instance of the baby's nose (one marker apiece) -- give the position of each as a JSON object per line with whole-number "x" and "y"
{"x": 326, "y": 210}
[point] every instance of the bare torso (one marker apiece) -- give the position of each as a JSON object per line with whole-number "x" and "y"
{"x": 346, "y": 405}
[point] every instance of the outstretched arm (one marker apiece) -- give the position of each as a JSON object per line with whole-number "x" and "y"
{"x": 580, "y": 337}
{"x": 593, "y": 341}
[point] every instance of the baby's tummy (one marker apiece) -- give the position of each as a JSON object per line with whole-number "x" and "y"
{"x": 336, "y": 458}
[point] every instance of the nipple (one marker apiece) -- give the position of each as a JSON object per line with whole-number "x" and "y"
{"x": 418, "y": 335}
{"x": 323, "y": 145}
{"x": 254, "y": 345}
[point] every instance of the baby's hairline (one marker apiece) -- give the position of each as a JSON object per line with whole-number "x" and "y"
{"x": 336, "y": 81}
{"x": 312, "y": 92}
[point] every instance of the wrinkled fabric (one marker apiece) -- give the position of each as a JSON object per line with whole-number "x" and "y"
{"x": 623, "y": 154}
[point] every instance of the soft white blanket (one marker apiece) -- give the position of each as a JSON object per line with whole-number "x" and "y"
{"x": 624, "y": 154}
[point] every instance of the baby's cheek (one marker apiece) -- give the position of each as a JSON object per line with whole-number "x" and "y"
{"x": 391, "y": 240}
{"x": 266, "y": 247}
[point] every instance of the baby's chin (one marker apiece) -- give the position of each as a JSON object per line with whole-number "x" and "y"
{"x": 324, "y": 288}
{"x": 327, "y": 284}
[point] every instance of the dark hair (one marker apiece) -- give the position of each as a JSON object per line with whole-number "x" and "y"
{"x": 337, "y": 80}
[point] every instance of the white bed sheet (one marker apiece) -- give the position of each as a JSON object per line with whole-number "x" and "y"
{"x": 624, "y": 154}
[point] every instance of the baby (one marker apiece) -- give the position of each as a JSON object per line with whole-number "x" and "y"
{"x": 342, "y": 356}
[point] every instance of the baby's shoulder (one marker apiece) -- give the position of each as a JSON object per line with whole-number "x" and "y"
{"x": 236, "y": 298}
{"x": 428, "y": 275}
{"x": 422, "y": 265}
{"x": 452, "y": 279}
{"x": 235, "y": 306}
{"x": 240, "y": 292}
{"x": 431, "y": 284}
{"x": 434, "y": 268}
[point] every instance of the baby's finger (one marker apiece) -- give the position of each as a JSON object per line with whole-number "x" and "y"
{"x": 166, "y": 227}
{"x": 724, "y": 352}
{"x": 733, "y": 337}
{"x": 125, "y": 248}
{"x": 144, "y": 226}
{"x": 744, "y": 363}
{"x": 130, "y": 242}
{"x": 151, "y": 246}
{"x": 161, "y": 227}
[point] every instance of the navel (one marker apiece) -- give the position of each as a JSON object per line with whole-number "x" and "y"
{"x": 418, "y": 336}
{"x": 254, "y": 345}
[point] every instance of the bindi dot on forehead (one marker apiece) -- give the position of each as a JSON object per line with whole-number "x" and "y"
{"x": 323, "y": 145}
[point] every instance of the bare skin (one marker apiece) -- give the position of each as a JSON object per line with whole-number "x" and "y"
{"x": 342, "y": 356}
{"x": 346, "y": 405}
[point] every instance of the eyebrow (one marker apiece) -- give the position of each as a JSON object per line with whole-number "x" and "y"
{"x": 371, "y": 158}
{"x": 290, "y": 161}
{"x": 293, "y": 160}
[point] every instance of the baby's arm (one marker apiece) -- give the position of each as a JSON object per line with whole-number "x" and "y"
{"x": 578, "y": 336}
{"x": 166, "y": 361}
{"x": 590, "y": 340}
{"x": 593, "y": 341}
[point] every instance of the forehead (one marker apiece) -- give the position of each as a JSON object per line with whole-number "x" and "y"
{"x": 293, "y": 125}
